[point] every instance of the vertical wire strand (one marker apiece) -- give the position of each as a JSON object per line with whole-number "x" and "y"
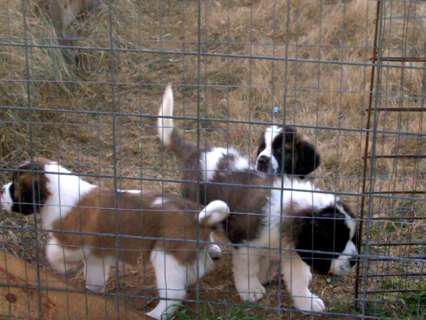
{"x": 366, "y": 149}
{"x": 197, "y": 233}
{"x": 113, "y": 76}
{"x": 289, "y": 251}
{"x": 28, "y": 78}
{"x": 372, "y": 163}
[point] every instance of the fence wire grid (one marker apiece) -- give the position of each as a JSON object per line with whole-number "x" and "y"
{"x": 82, "y": 82}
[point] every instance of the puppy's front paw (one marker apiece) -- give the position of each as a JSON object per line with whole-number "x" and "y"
{"x": 252, "y": 293}
{"x": 311, "y": 302}
{"x": 215, "y": 251}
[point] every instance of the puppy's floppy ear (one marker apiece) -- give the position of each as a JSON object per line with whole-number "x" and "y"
{"x": 29, "y": 189}
{"x": 308, "y": 158}
{"x": 261, "y": 144}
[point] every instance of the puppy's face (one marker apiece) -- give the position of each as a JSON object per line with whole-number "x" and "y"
{"x": 327, "y": 240}
{"x": 27, "y": 192}
{"x": 283, "y": 151}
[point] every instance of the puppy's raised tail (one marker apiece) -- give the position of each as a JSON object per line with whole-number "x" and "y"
{"x": 214, "y": 213}
{"x": 166, "y": 125}
{"x": 168, "y": 134}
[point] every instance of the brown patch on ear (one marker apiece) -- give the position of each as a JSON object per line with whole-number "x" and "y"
{"x": 30, "y": 187}
{"x": 261, "y": 144}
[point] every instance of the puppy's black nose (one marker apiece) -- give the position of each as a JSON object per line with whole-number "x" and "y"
{"x": 353, "y": 261}
{"x": 263, "y": 163}
{"x": 263, "y": 160}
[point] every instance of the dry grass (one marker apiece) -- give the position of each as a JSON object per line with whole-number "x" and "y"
{"x": 316, "y": 95}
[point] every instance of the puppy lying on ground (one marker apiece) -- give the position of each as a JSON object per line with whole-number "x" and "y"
{"x": 83, "y": 222}
{"x": 314, "y": 229}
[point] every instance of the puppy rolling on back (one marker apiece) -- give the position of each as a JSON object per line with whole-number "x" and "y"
{"x": 83, "y": 221}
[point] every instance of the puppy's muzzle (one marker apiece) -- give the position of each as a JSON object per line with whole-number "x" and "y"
{"x": 264, "y": 164}
{"x": 353, "y": 261}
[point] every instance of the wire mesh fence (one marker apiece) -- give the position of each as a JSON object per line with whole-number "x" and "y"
{"x": 81, "y": 85}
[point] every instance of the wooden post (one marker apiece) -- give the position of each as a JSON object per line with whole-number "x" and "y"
{"x": 19, "y": 296}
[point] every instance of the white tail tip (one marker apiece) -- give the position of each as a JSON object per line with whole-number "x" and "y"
{"x": 215, "y": 212}
{"x": 165, "y": 126}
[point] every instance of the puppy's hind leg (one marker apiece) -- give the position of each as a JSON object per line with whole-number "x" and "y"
{"x": 171, "y": 283}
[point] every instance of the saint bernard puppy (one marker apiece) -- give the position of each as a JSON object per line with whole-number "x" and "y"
{"x": 312, "y": 228}
{"x": 282, "y": 150}
{"x": 83, "y": 221}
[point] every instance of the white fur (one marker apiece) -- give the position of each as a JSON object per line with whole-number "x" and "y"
{"x": 133, "y": 191}
{"x": 350, "y": 222}
{"x": 215, "y": 212}
{"x": 173, "y": 278}
{"x": 303, "y": 193}
{"x": 240, "y": 162}
{"x": 270, "y": 134}
{"x": 6, "y": 201}
{"x": 62, "y": 259}
{"x": 209, "y": 161}
{"x": 65, "y": 189}
{"x": 215, "y": 251}
{"x": 165, "y": 125}
{"x": 341, "y": 265}
{"x": 159, "y": 202}
{"x": 246, "y": 269}
{"x": 96, "y": 272}
{"x": 297, "y": 277}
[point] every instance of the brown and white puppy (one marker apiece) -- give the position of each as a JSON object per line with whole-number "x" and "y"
{"x": 314, "y": 229}
{"x": 83, "y": 222}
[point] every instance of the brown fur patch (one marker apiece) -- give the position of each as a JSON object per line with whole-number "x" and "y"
{"x": 246, "y": 204}
{"x": 30, "y": 187}
{"x": 129, "y": 215}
